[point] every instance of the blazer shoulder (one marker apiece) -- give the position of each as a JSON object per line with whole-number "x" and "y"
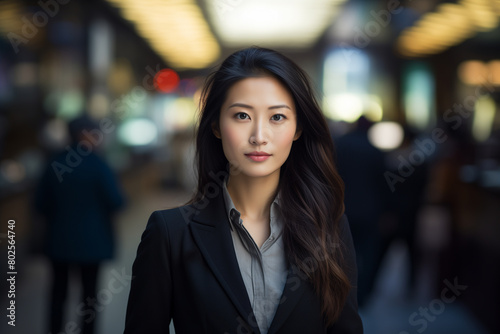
{"x": 172, "y": 221}
{"x": 344, "y": 227}
{"x": 346, "y": 241}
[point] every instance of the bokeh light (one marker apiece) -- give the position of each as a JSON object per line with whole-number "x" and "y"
{"x": 386, "y": 135}
{"x": 166, "y": 80}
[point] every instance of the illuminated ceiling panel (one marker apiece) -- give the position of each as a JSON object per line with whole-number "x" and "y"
{"x": 10, "y": 12}
{"x": 271, "y": 23}
{"x": 449, "y": 25}
{"x": 176, "y": 30}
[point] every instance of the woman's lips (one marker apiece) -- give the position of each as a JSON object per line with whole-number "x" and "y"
{"x": 258, "y": 156}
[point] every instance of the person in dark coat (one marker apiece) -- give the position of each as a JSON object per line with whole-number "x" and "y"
{"x": 77, "y": 196}
{"x": 361, "y": 165}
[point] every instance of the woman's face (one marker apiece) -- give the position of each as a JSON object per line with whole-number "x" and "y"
{"x": 257, "y": 126}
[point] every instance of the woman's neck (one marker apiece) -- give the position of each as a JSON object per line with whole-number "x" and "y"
{"x": 252, "y": 196}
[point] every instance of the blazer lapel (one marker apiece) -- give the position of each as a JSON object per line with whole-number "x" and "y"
{"x": 294, "y": 288}
{"x": 211, "y": 232}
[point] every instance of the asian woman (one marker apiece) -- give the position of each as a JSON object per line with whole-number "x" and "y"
{"x": 263, "y": 246}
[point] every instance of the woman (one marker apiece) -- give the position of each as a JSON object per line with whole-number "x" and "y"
{"x": 263, "y": 247}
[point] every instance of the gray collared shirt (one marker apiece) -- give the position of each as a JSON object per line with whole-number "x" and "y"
{"x": 264, "y": 270}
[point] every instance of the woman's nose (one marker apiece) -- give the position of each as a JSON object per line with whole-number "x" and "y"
{"x": 258, "y": 136}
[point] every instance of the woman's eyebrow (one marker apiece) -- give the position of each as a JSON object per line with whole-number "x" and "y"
{"x": 242, "y": 105}
{"x": 280, "y": 106}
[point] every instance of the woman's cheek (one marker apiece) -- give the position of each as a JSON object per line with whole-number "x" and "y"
{"x": 285, "y": 139}
{"x": 232, "y": 140}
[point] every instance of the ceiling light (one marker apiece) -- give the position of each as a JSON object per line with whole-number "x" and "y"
{"x": 482, "y": 14}
{"x": 274, "y": 23}
{"x": 176, "y": 30}
{"x": 449, "y": 25}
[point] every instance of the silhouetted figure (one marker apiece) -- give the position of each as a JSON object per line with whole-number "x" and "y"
{"x": 361, "y": 166}
{"x": 407, "y": 198}
{"x": 77, "y": 195}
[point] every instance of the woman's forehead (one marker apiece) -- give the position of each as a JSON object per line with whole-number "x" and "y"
{"x": 264, "y": 90}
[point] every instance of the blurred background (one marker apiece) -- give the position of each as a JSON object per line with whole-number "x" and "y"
{"x": 411, "y": 90}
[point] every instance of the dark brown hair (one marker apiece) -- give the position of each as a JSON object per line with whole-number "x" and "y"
{"x": 311, "y": 190}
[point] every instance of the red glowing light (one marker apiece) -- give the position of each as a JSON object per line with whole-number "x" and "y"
{"x": 166, "y": 80}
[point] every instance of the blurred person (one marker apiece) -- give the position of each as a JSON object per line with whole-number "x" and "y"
{"x": 361, "y": 165}
{"x": 78, "y": 195}
{"x": 263, "y": 246}
{"x": 405, "y": 203}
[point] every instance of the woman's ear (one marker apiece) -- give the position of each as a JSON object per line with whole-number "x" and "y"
{"x": 298, "y": 132}
{"x": 215, "y": 130}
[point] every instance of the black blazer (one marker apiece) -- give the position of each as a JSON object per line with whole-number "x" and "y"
{"x": 186, "y": 270}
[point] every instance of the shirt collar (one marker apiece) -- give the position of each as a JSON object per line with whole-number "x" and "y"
{"x": 233, "y": 215}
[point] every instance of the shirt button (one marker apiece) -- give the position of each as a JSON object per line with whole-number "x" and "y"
{"x": 232, "y": 214}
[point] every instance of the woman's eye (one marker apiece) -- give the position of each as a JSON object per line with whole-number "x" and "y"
{"x": 242, "y": 115}
{"x": 278, "y": 117}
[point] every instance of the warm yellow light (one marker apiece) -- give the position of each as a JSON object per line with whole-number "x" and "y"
{"x": 176, "y": 30}
{"x": 449, "y": 25}
{"x": 473, "y": 72}
{"x": 458, "y": 22}
{"x": 10, "y": 14}
{"x": 496, "y": 5}
{"x": 494, "y": 72}
{"x": 482, "y": 13}
{"x": 417, "y": 41}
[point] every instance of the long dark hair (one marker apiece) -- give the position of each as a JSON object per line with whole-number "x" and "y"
{"x": 311, "y": 190}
